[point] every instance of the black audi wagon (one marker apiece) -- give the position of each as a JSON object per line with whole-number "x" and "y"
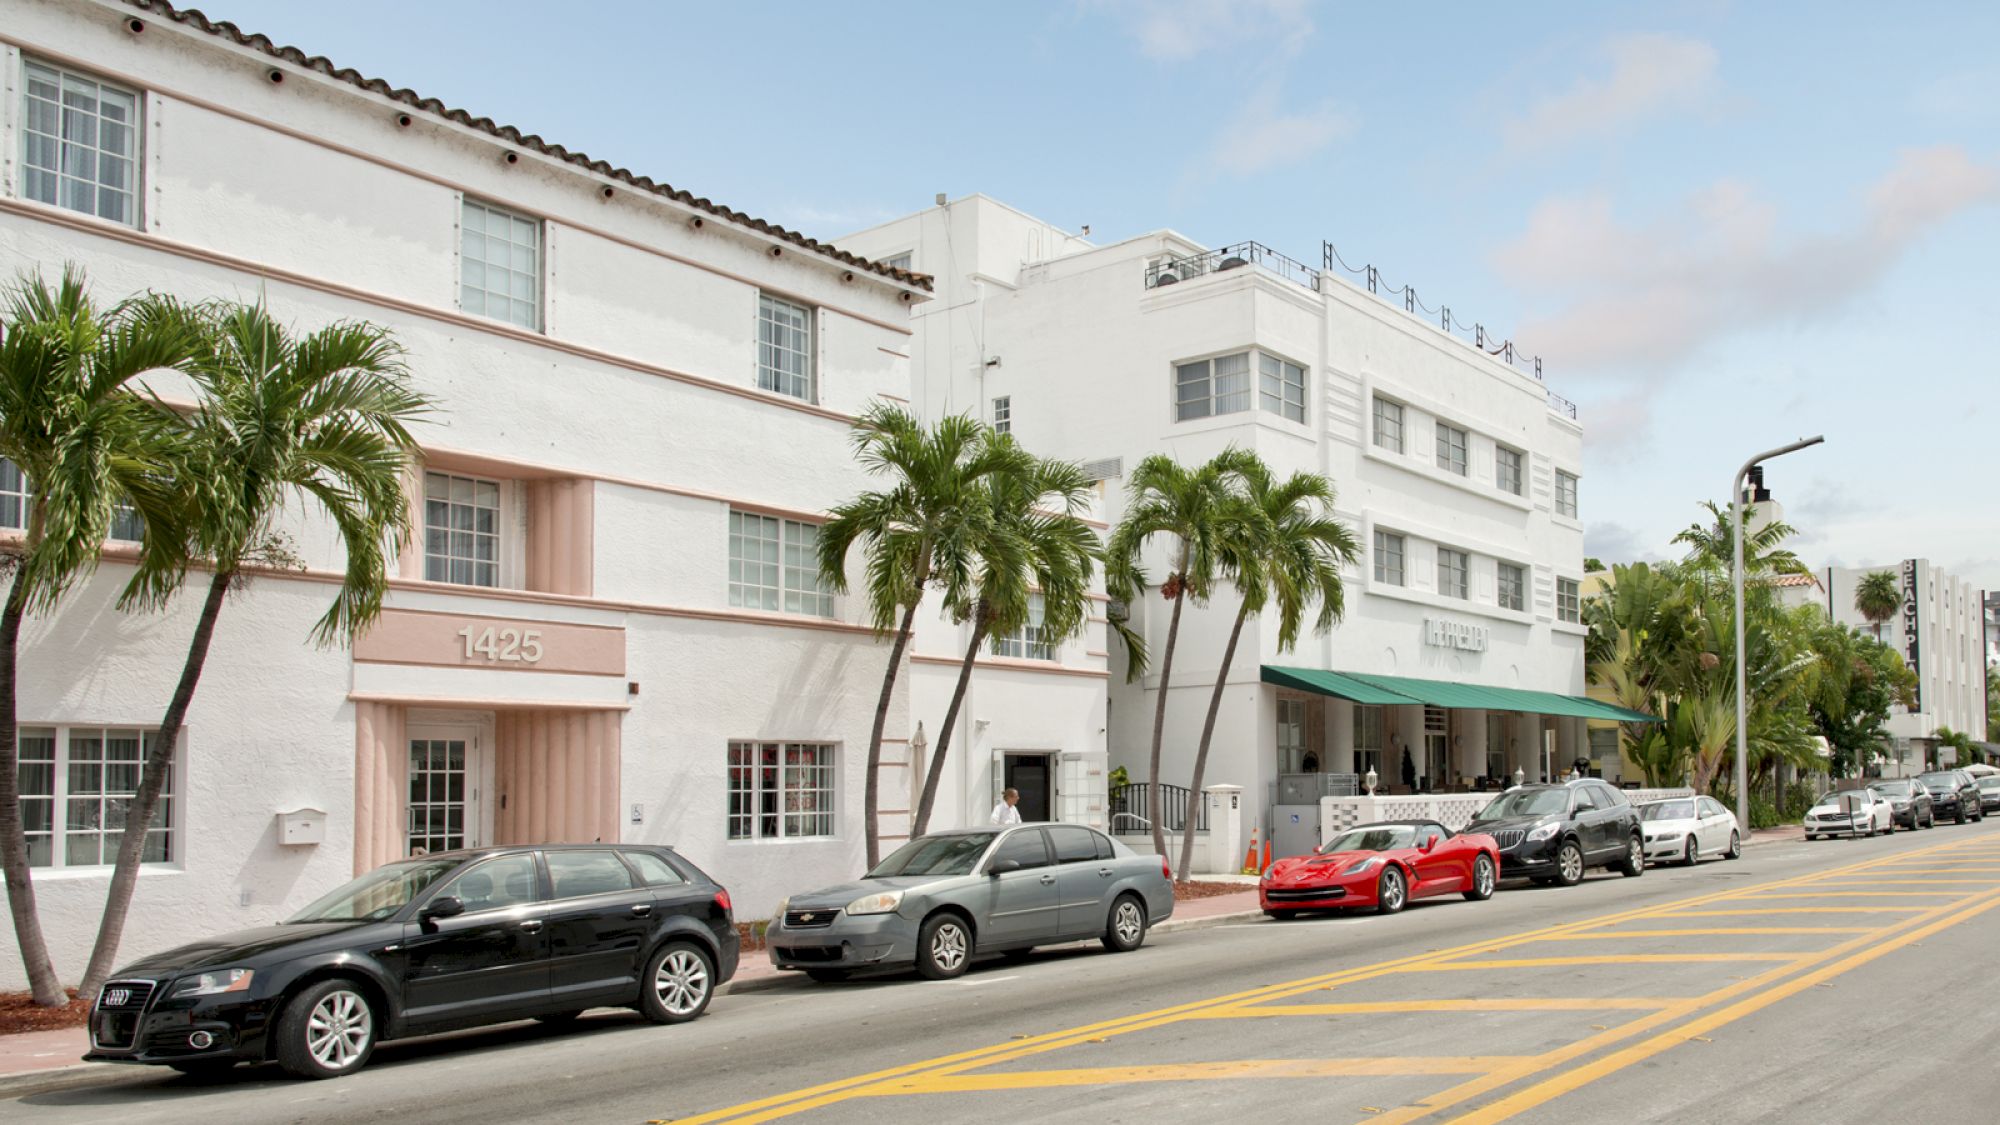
{"x": 427, "y": 944}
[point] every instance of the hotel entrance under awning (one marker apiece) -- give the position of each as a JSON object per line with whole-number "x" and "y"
{"x": 1378, "y": 690}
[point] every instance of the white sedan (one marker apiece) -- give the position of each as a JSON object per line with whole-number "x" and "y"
{"x": 1830, "y": 816}
{"x": 1688, "y": 828}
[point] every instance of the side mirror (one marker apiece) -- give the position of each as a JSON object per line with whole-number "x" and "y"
{"x": 443, "y": 906}
{"x": 1424, "y": 845}
{"x": 1002, "y": 866}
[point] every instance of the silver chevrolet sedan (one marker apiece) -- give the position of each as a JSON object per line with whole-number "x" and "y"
{"x": 942, "y": 898}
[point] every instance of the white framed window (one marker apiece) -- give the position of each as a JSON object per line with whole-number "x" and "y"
{"x": 461, "y": 530}
{"x": 1569, "y": 600}
{"x": 500, "y": 265}
{"x": 900, "y": 261}
{"x": 784, "y": 347}
{"x": 1507, "y": 469}
{"x": 1282, "y": 386}
{"x": 1451, "y": 443}
{"x": 1388, "y": 424}
{"x": 1029, "y": 642}
{"x": 14, "y": 496}
{"x": 781, "y": 790}
{"x": 1291, "y": 734}
{"x": 80, "y": 143}
{"x": 774, "y": 565}
{"x": 1453, "y": 573}
{"x": 1513, "y": 586}
{"x": 1208, "y": 387}
{"x": 1388, "y": 558}
{"x": 1565, "y": 494}
{"x": 75, "y": 785}
{"x": 1003, "y": 414}
{"x": 1368, "y": 737}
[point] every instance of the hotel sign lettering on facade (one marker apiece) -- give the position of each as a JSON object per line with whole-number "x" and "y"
{"x": 1442, "y": 633}
{"x": 1911, "y": 613}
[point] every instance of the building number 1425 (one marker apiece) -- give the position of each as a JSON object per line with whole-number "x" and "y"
{"x": 510, "y": 646}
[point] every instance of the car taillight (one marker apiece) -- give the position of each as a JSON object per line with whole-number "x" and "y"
{"x": 722, "y": 900}
{"x": 1166, "y": 872}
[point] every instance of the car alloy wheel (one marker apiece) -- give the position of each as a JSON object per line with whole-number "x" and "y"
{"x": 1635, "y": 857}
{"x": 1389, "y": 891}
{"x": 1482, "y": 879}
{"x": 1735, "y": 845}
{"x": 678, "y": 983}
{"x": 1126, "y": 927}
{"x": 1690, "y": 855}
{"x": 944, "y": 947}
{"x": 1569, "y": 864}
{"x": 326, "y": 1031}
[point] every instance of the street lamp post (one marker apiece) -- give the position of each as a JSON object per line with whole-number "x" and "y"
{"x": 1739, "y": 510}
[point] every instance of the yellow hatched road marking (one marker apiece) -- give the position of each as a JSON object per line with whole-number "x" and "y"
{"x": 1475, "y": 1004}
{"x": 1907, "y": 882}
{"x": 1599, "y": 959}
{"x": 1717, "y": 931}
{"x": 1798, "y": 910}
{"x": 1858, "y": 894}
{"x": 1191, "y": 1072}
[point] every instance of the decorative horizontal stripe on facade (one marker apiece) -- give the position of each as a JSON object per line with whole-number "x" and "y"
{"x": 1014, "y": 666}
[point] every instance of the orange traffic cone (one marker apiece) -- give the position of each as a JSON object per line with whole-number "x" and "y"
{"x": 1250, "y": 857}
{"x": 1267, "y": 858}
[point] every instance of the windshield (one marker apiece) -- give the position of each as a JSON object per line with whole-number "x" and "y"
{"x": 936, "y": 855}
{"x": 377, "y": 894}
{"x": 1989, "y": 783}
{"x": 1376, "y": 838}
{"x": 1668, "y": 810}
{"x": 1939, "y": 781}
{"x": 1526, "y": 802}
{"x": 1893, "y": 788}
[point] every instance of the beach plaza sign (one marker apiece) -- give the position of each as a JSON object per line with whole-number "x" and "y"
{"x": 1442, "y": 633}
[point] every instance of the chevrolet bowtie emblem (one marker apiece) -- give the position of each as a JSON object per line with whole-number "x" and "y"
{"x": 805, "y": 917}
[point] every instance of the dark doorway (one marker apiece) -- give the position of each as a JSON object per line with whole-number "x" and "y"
{"x": 1030, "y": 774}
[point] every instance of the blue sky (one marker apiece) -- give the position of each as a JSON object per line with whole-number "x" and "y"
{"x": 1723, "y": 225}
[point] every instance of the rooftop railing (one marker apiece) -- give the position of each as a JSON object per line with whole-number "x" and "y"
{"x": 1234, "y": 256}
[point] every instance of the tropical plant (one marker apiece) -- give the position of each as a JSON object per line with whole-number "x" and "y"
{"x": 83, "y": 443}
{"x": 1711, "y": 549}
{"x": 316, "y": 420}
{"x": 1286, "y": 555}
{"x": 1956, "y": 739}
{"x": 1857, "y": 680}
{"x": 1196, "y": 508}
{"x": 1877, "y": 598}
{"x": 923, "y": 530}
{"x": 1033, "y": 547}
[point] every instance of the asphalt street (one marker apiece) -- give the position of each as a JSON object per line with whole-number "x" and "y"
{"x": 1825, "y": 982}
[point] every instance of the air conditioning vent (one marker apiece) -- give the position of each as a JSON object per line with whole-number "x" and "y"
{"x": 1108, "y": 468}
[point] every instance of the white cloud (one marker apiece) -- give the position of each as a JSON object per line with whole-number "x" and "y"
{"x": 1650, "y": 74}
{"x": 1264, "y": 135}
{"x": 1617, "y": 543}
{"x": 1178, "y": 30}
{"x": 1644, "y": 298}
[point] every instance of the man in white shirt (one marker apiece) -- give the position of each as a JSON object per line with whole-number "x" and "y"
{"x": 1005, "y": 813}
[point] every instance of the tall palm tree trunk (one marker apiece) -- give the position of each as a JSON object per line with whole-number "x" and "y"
{"x": 1207, "y": 733}
{"x": 139, "y": 813}
{"x": 871, "y": 789}
{"x": 42, "y": 979}
{"x": 1154, "y": 804}
{"x": 936, "y": 771}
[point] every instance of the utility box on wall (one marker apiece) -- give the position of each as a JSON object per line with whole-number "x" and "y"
{"x": 302, "y": 827}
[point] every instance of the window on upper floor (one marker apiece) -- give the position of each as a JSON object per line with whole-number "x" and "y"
{"x": 784, "y": 347}
{"x": 1388, "y": 558}
{"x": 1388, "y": 424}
{"x": 1507, "y": 469}
{"x": 1282, "y": 387}
{"x": 1569, "y": 601}
{"x": 500, "y": 265}
{"x": 1003, "y": 414}
{"x": 1454, "y": 573}
{"x": 1451, "y": 443}
{"x": 900, "y": 261}
{"x": 461, "y": 530}
{"x": 14, "y": 497}
{"x": 774, "y": 565}
{"x": 1565, "y": 494}
{"x": 1512, "y": 591}
{"x": 80, "y": 143}
{"x": 126, "y": 524}
{"x": 1028, "y": 642}
{"x": 1205, "y": 388}
{"x": 75, "y": 785}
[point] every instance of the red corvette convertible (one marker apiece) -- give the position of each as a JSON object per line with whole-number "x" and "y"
{"x": 1382, "y": 866}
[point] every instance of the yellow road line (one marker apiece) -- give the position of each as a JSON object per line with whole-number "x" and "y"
{"x": 1472, "y": 1004}
{"x": 1717, "y": 931}
{"x": 1907, "y": 882}
{"x": 1599, "y": 959}
{"x": 1859, "y": 894}
{"x": 1191, "y": 1072}
{"x": 1798, "y": 910}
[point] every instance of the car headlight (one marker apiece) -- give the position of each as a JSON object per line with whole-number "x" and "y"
{"x": 783, "y": 905}
{"x": 882, "y": 903}
{"x": 1268, "y": 872}
{"x": 1544, "y": 831}
{"x": 211, "y": 984}
{"x": 1369, "y": 864}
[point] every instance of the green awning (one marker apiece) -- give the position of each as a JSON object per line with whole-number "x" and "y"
{"x": 1378, "y": 690}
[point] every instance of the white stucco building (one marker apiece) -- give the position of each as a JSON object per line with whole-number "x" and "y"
{"x": 1458, "y": 472}
{"x": 610, "y": 627}
{"x": 1940, "y": 632}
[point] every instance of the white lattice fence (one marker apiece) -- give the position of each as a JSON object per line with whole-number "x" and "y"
{"x": 1453, "y": 810}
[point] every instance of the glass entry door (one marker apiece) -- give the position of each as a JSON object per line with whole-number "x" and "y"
{"x": 444, "y": 790}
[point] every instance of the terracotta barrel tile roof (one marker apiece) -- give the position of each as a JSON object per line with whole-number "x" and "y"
{"x": 222, "y": 29}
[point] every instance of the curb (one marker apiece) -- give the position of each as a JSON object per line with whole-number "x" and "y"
{"x": 75, "y": 1076}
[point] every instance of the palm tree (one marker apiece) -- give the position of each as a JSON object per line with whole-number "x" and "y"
{"x": 1196, "y": 507}
{"x": 321, "y": 418}
{"x": 923, "y": 530}
{"x": 1028, "y": 549}
{"x": 1877, "y": 598}
{"x": 1290, "y": 553}
{"x": 1712, "y": 547}
{"x": 1957, "y": 740}
{"x": 80, "y": 438}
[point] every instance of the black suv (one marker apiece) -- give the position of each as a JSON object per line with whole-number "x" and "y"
{"x": 1954, "y": 794}
{"x": 1910, "y": 800}
{"x": 455, "y": 939}
{"x": 1551, "y": 833}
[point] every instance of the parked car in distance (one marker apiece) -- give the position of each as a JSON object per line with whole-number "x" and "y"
{"x": 943, "y": 898}
{"x": 1382, "y": 867}
{"x": 1989, "y": 794}
{"x": 1686, "y": 828}
{"x": 1829, "y": 816}
{"x": 1553, "y": 832}
{"x": 1910, "y": 802}
{"x": 1954, "y": 794}
{"x": 455, "y": 939}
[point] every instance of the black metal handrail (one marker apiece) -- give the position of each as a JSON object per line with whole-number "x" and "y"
{"x": 1234, "y": 256}
{"x": 1130, "y": 801}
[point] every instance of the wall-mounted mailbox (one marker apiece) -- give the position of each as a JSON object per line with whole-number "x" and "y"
{"x": 302, "y": 827}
